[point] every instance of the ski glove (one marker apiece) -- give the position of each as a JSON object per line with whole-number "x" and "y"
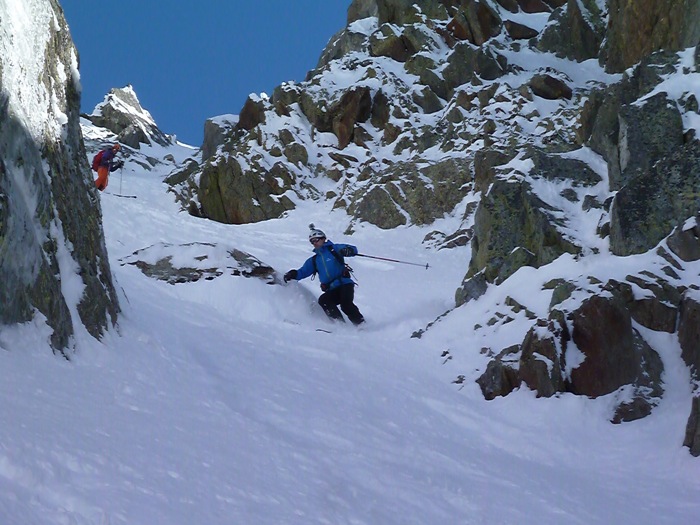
{"x": 347, "y": 251}
{"x": 291, "y": 274}
{"x": 118, "y": 164}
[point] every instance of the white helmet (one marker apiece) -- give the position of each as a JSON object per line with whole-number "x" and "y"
{"x": 315, "y": 233}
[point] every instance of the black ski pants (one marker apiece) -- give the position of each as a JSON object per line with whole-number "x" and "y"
{"x": 343, "y": 295}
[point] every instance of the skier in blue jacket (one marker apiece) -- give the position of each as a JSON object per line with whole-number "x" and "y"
{"x": 337, "y": 286}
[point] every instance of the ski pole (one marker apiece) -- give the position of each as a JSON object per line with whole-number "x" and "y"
{"x": 392, "y": 260}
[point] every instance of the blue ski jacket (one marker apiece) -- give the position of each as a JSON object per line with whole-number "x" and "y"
{"x": 330, "y": 269}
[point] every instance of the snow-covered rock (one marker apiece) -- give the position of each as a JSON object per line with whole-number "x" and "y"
{"x": 122, "y": 114}
{"x": 53, "y": 262}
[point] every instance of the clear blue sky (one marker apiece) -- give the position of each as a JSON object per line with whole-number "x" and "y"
{"x": 191, "y": 60}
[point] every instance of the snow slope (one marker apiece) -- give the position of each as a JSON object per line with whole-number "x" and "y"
{"x": 218, "y": 402}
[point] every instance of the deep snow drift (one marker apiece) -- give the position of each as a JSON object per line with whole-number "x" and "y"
{"x": 218, "y": 402}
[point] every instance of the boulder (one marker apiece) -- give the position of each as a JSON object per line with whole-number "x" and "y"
{"x": 519, "y": 31}
{"x": 549, "y": 87}
{"x": 230, "y": 195}
{"x": 423, "y": 67}
{"x": 476, "y": 22}
{"x": 468, "y": 64}
{"x": 501, "y": 375}
{"x": 344, "y": 42}
{"x": 543, "y": 359}
{"x": 615, "y": 355}
{"x": 407, "y": 12}
{"x": 471, "y": 288}
{"x": 317, "y": 111}
{"x": 557, "y": 168}
{"x": 380, "y": 110}
{"x": 485, "y": 163}
{"x": 509, "y": 5}
{"x": 187, "y": 263}
{"x": 534, "y": 6}
{"x": 398, "y": 12}
{"x": 601, "y": 121}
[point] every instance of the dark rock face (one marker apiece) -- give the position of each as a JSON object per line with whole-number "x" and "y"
{"x": 512, "y": 216}
{"x": 615, "y": 356}
{"x": 610, "y": 360}
{"x": 636, "y": 28}
{"x": 685, "y": 241}
{"x": 60, "y": 236}
{"x": 355, "y": 106}
{"x": 229, "y": 195}
{"x": 501, "y": 376}
{"x": 692, "y": 431}
{"x": 424, "y": 193}
{"x": 252, "y": 113}
{"x": 658, "y": 311}
{"x": 650, "y": 205}
{"x": 519, "y": 31}
{"x": 216, "y": 133}
{"x": 647, "y": 132}
{"x": 542, "y": 360}
{"x": 689, "y": 332}
{"x": 575, "y": 34}
{"x": 549, "y": 87}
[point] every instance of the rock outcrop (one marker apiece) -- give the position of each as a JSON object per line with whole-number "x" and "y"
{"x": 636, "y": 28}
{"x": 416, "y": 110}
{"x": 53, "y": 260}
{"x": 122, "y": 114}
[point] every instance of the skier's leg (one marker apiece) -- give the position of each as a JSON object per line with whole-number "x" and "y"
{"x": 102, "y": 177}
{"x": 347, "y": 297}
{"x": 329, "y": 301}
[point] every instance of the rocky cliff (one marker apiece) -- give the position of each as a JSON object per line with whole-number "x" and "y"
{"x": 560, "y": 129}
{"x": 53, "y": 263}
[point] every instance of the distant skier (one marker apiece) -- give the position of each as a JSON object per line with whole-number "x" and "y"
{"x": 105, "y": 162}
{"x": 337, "y": 286}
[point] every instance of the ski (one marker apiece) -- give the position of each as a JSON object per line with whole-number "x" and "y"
{"x": 125, "y": 196}
{"x": 323, "y": 330}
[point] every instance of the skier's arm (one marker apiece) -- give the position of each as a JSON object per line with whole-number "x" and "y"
{"x": 306, "y": 270}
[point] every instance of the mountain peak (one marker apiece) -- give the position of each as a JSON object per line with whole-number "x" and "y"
{"x": 122, "y": 113}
